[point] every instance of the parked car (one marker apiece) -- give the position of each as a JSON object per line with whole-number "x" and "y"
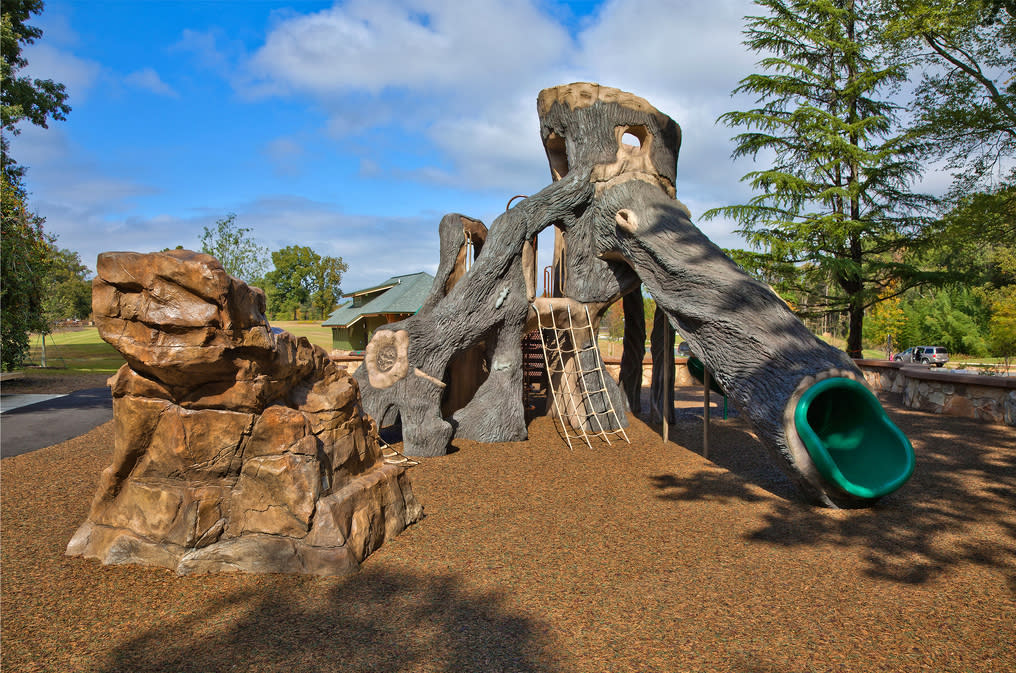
{"x": 683, "y": 350}
{"x": 928, "y": 355}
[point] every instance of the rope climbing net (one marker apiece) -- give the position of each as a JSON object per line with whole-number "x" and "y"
{"x": 578, "y": 392}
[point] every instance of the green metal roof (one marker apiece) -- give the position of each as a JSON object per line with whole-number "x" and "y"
{"x": 405, "y": 294}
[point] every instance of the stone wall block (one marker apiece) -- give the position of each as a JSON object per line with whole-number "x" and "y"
{"x": 414, "y": 510}
{"x": 245, "y": 309}
{"x": 250, "y": 553}
{"x": 114, "y": 546}
{"x": 127, "y": 382}
{"x": 327, "y": 561}
{"x": 199, "y": 273}
{"x": 367, "y": 526}
{"x": 332, "y": 519}
{"x": 127, "y": 548}
{"x": 105, "y": 300}
{"x": 200, "y": 521}
{"x": 369, "y": 509}
{"x": 343, "y": 443}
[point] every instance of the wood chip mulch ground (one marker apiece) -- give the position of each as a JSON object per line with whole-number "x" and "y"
{"x": 534, "y": 558}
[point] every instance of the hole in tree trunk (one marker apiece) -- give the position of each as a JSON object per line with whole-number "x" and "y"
{"x": 558, "y": 155}
{"x": 634, "y": 136}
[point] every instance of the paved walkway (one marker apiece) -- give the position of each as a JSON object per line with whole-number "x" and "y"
{"x": 30, "y": 422}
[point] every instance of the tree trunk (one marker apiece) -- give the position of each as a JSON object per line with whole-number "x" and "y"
{"x": 661, "y": 392}
{"x": 634, "y": 349}
{"x": 489, "y": 303}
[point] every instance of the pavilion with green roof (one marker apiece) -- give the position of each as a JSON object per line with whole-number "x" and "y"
{"x": 398, "y": 298}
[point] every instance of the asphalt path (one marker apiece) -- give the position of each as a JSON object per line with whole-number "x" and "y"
{"x": 51, "y": 421}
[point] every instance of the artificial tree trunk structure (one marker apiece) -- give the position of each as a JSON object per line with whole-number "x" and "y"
{"x": 613, "y": 158}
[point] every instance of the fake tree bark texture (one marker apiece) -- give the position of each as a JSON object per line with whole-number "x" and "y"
{"x": 614, "y": 159}
{"x": 756, "y": 348}
{"x": 634, "y": 349}
{"x": 661, "y": 342}
{"x": 490, "y": 303}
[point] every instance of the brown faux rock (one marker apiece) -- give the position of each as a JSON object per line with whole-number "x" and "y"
{"x": 237, "y": 448}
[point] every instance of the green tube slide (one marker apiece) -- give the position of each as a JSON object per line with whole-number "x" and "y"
{"x": 851, "y": 440}
{"x": 698, "y": 372}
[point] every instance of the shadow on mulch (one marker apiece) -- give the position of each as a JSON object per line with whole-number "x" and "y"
{"x": 378, "y": 621}
{"x": 911, "y": 535}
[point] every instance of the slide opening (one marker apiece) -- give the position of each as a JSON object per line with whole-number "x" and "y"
{"x": 851, "y": 440}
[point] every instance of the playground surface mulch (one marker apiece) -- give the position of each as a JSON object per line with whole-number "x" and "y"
{"x": 535, "y": 558}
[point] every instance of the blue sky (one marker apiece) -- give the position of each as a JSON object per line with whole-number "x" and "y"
{"x": 352, "y": 127}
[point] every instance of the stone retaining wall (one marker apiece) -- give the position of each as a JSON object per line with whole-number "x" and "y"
{"x": 681, "y": 375}
{"x": 987, "y": 398}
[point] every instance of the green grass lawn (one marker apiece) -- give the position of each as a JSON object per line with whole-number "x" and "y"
{"x": 83, "y": 351}
{"x": 80, "y": 351}
{"x": 315, "y": 333}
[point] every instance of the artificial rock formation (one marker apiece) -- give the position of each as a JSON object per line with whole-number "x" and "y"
{"x": 237, "y": 447}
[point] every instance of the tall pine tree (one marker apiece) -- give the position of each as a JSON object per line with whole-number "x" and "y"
{"x": 837, "y": 196}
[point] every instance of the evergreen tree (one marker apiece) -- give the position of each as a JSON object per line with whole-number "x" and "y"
{"x": 837, "y": 196}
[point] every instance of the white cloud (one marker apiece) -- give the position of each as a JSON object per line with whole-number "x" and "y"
{"x": 78, "y": 75}
{"x": 418, "y": 45}
{"x": 466, "y": 81}
{"x": 455, "y": 84}
{"x": 149, "y": 80}
{"x": 469, "y": 80}
{"x": 365, "y": 242}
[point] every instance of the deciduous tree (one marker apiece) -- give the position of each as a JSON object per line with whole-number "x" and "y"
{"x": 288, "y": 285}
{"x": 23, "y": 260}
{"x": 68, "y": 293}
{"x": 965, "y": 103}
{"x": 23, "y": 98}
{"x": 236, "y": 249}
{"x": 327, "y": 283}
{"x": 302, "y": 277}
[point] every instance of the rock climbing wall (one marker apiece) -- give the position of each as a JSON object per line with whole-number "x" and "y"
{"x": 238, "y": 448}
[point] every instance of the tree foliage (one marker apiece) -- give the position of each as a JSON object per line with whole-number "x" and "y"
{"x": 965, "y": 103}
{"x": 976, "y": 239}
{"x": 303, "y": 278}
{"x": 288, "y": 285}
{"x": 327, "y": 284}
{"x": 954, "y": 317}
{"x": 837, "y": 198}
{"x": 23, "y": 98}
{"x": 24, "y": 256}
{"x": 68, "y": 293}
{"x": 236, "y": 249}
{"x": 1002, "y": 324}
